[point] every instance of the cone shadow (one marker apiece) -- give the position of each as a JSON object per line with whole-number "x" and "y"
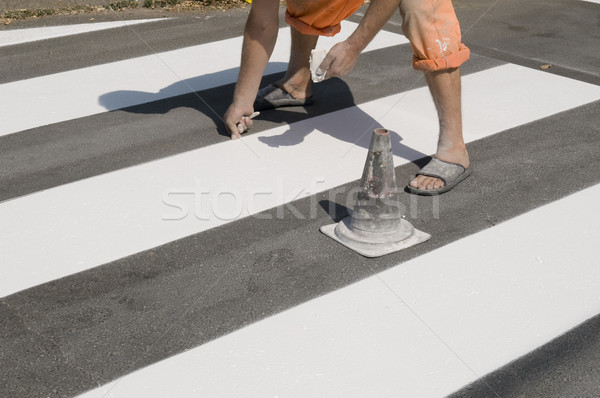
{"x": 336, "y": 211}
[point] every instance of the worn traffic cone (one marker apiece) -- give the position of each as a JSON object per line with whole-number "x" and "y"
{"x": 376, "y": 226}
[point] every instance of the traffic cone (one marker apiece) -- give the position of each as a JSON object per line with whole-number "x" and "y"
{"x": 376, "y": 227}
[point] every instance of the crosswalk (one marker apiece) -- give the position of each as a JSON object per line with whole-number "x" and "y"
{"x": 88, "y": 91}
{"x": 358, "y": 341}
{"x": 155, "y": 203}
{"x": 421, "y": 324}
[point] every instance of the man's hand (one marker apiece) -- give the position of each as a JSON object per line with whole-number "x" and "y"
{"x": 260, "y": 36}
{"x": 342, "y": 57}
{"x": 340, "y": 60}
{"x": 237, "y": 120}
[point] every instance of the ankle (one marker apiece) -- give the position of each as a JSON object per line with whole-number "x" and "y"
{"x": 297, "y": 88}
{"x": 456, "y": 154}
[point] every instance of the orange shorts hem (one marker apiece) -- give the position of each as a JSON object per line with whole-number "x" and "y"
{"x": 451, "y": 61}
{"x": 319, "y": 17}
{"x": 434, "y": 34}
{"x": 307, "y": 29}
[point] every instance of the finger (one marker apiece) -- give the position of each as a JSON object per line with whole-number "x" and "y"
{"x": 324, "y": 66}
{"x": 232, "y": 128}
{"x": 247, "y": 122}
{"x": 243, "y": 125}
{"x": 237, "y": 132}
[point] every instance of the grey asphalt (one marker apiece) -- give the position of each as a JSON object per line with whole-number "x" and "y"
{"x": 64, "y": 337}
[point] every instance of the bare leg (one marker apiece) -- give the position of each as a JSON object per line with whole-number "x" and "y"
{"x": 446, "y": 92}
{"x": 297, "y": 78}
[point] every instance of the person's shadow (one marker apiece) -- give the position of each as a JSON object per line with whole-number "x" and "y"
{"x": 209, "y": 94}
{"x": 334, "y": 111}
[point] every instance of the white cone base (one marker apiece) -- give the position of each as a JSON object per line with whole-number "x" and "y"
{"x": 375, "y": 244}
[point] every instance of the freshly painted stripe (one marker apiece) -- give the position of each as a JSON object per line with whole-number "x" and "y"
{"x": 424, "y": 328}
{"x": 88, "y": 91}
{"x": 20, "y": 36}
{"x": 74, "y": 227}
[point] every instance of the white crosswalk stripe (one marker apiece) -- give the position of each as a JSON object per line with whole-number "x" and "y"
{"x": 452, "y": 326}
{"x": 164, "y": 200}
{"x": 101, "y": 88}
{"x": 20, "y": 36}
{"x": 382, "y": 336}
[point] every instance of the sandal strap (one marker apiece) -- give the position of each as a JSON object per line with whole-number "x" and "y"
{"x": 445, "y": 171}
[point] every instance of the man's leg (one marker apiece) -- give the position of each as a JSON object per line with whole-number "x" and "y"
{"x": 297, "y": 78}
{"x": 445, "y": 89}
{"x": 434, "y": 33}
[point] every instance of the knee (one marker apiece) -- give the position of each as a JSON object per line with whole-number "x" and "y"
{"x": 418, "y": 7}
{"x": 417, "y": 18}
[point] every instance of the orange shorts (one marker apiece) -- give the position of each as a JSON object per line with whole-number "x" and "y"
{"x": 434, "y": 33}
{"x": 319, "y": 17}
{"x": 430, "y": 25}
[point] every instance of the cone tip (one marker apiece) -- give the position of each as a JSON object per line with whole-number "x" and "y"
{"x": 381, "y": 131}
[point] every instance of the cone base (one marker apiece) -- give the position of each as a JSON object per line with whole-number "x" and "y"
{"x": 374, "y": 244}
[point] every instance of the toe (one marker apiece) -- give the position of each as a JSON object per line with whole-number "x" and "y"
{"x": 416, "y": 182}
{"x": 426, "y": 183}
{"x": 429, "y": 184}
{"x": 438, "y": 183}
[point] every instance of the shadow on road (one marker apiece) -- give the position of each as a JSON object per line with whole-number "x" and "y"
{"x": 332, "y": 96}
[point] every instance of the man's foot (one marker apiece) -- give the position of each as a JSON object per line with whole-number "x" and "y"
{"x": 298, "y": 88}
{"x": 441, "y": 175}
{"x": 272, "y": 97}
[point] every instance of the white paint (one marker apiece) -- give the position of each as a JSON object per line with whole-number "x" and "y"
{"x": 89, "y": 91}
{"x": 74, "y": 227}
{"x": 20, "y": 36}
{"x": 518, "y": 285}
{"x": 443, "y": 45}
{"x": 593, "y": 1}
{"x": 485, "y": 299}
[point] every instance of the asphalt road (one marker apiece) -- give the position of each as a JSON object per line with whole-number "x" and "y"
{"x": 69, "y": 328}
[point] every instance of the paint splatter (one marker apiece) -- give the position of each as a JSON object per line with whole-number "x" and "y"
{"x": 444, "y": 43}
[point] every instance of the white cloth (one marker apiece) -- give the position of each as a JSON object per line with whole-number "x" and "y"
{"x": 316, "y": 57}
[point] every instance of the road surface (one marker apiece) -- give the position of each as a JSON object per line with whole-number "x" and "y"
{"x": 144, "y": 254}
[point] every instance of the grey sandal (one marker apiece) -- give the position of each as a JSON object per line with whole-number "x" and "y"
{"x": 450, "y": 173}
{"x": 272, "y": 97}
